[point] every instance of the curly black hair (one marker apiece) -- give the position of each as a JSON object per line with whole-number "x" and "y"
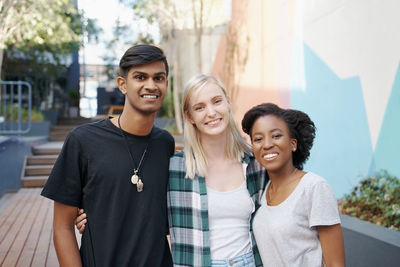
{"x": 301, "y": 128}
{"x": 140, "y": 55}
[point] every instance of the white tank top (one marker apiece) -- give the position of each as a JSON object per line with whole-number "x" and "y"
{"x": 229, "y": 220}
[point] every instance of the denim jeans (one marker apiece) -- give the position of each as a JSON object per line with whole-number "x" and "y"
{"x": 246, "y": 260}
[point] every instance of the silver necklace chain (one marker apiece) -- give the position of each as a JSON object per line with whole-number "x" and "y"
{"x": 135, "y": 179}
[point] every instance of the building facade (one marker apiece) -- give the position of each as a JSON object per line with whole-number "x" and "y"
{"x": 336, "y": 60}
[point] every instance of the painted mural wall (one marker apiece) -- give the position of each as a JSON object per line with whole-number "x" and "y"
{"x": 337, "y": 60}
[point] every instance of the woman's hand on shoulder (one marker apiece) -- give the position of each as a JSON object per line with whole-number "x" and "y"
{"x": 80, "y": 221}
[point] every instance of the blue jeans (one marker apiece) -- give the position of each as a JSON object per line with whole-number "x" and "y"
{"x": 246, "y": 260}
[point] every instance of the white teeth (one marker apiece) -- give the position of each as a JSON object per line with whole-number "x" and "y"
{"x": 269, "y": 156}
{"x": 150, "y": 96}
{"x": 213, "y": 122}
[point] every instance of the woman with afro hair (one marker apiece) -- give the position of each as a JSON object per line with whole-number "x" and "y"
{"x": 298, "y": 222}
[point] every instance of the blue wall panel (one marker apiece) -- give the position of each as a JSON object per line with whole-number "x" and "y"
{"x": 342, "y": 150}
{"x": 388, "y": 146}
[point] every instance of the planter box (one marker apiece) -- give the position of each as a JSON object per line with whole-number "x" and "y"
{"x": 51, "y": 115}
{"x": 40, "y": 128}
{"x": 368, "y": 244}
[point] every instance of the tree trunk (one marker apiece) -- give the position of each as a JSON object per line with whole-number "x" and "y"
{"x": 177, "y": 78}
{"x": 1, "y": 63}
{"x": 198, "y": 29}
{"x": 200, "y": 36}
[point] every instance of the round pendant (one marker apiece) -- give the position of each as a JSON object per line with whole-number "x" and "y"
{"x": 134, "y": 179}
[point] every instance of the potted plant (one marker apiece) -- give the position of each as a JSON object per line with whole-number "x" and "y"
{"x": 73, "y": 110}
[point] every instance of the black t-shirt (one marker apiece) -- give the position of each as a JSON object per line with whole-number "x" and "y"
{"x": 93, "y": 171}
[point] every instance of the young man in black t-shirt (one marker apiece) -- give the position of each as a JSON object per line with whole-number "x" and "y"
{"x": 117, "y": 171}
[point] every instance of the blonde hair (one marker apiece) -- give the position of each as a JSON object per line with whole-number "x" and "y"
{"x": 195, "y": 157}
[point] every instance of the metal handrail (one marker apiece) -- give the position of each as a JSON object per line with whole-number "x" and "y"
{"x": 7, "y": 101}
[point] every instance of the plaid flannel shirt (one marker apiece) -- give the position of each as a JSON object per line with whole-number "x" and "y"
{"x": 188, "y": 211}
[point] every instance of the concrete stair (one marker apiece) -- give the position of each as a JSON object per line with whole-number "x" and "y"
{"x": 37, "y": 167}
{"x": 42, "y": 160}
{"x": 34, "y": 181}
{"x": 47, "y": 149}
{"x": 59, "y": 133}
{"x": 38, "y": 170}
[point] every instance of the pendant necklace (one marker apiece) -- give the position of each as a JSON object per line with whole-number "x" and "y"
{"x": 135, "y": 179}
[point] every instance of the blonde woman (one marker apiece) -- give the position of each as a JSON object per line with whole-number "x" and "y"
{"x": 214, "y": 185}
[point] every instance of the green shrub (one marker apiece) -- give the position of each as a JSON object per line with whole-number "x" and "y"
{"x": 375, "y": 199}
{"x": 35, "y": 114}
{"x": 73, "y": 98}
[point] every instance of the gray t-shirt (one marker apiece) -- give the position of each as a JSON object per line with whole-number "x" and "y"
{"x": 286, "y": 234}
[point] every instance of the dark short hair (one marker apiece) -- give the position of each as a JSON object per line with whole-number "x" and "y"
{"x": 141, "y": 55}
{"x": 301, "y": 128}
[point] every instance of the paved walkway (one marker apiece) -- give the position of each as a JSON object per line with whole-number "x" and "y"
{"x": 26, "y": 230}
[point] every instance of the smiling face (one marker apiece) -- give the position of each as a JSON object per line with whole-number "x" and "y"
{"x": 209, "y": 110}
{"x": 272, "y": 144}
{"x": 144, "y": 87}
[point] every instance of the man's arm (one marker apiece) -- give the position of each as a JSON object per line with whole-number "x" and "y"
{"x": 64, "y": 235}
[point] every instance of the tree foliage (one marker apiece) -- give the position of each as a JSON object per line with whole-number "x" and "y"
{"x": 51, "y": 22}
{"x": 41, "y": 31}
{"x": 37, "y": 38}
